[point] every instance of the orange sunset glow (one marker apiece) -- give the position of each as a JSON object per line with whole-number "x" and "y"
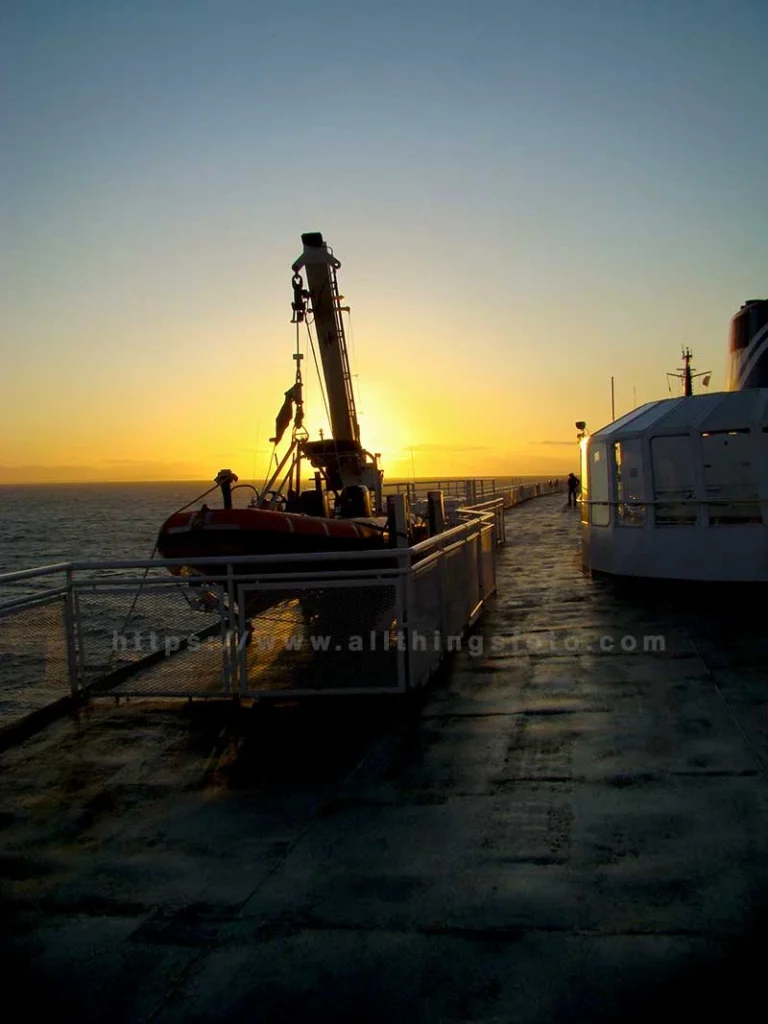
{"x": 509, "y": 241}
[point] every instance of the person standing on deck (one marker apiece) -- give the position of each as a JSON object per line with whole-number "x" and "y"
{"x": 573, "y": 488}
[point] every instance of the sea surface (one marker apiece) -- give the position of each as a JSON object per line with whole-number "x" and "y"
{"x": 46, "y": 523}
{"x": 43, "y": 524}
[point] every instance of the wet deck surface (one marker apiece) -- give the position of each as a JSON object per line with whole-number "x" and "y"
{"x": 569, "y": 827}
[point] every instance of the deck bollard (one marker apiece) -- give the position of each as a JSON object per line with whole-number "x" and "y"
{"x": 397, "y": 517}
{"x": 435, "y": 512}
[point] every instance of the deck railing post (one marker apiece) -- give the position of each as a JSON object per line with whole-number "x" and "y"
{"x": 467, "y": 553}
{"x": 403, "y": 617}
{"x": 232, "y": 680}
{"x": 70, "y": 625}
{"x": 435, "y": 512}
{"x": 397, "y": 515}
{"x": 79, "y": 637}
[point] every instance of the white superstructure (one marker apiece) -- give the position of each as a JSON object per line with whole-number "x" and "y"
{"x": 678, "y": 489}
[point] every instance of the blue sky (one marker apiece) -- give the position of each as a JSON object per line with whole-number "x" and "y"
{"x": 526, "y": 198}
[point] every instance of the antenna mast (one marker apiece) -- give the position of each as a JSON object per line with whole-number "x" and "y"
{"x": 687, "y": 376}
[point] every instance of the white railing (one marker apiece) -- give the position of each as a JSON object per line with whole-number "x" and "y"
{"x": 250, "y": 627}
{"x": 466, "y": 490}
{"x": 673, "y": 511}
{"x": 471, "y": 491}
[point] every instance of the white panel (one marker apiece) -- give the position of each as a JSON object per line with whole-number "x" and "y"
{"x": 730, "y": 475}
{"x": 600, "y": 515}
{"x": 673, "y": 480}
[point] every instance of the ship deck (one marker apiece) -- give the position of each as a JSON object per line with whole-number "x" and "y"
{"x": 572, "y": 824}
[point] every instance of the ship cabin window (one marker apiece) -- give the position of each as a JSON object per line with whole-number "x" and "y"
{"x": 730, "y": 478}
{"x": 674, "y": 486}
{"x": 629, "y": 483}
{"x": 599, "y": 496}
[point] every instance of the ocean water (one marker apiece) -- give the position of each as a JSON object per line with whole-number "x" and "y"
{"x": 43, "y": 524}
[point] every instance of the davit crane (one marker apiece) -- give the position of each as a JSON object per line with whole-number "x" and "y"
{"x": 345, "y": 466}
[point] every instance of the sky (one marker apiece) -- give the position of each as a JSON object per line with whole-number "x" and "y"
{"x": 527, "y": 198}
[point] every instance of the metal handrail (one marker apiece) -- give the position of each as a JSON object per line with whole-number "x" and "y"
{"x": 480, "y": 506}
{"x": 103, "y": 583}
{"x": 211, "y": 560}
{"x": 676, "y": 501}
{"x": 42, "y": 597}
{"x": 440, "y": 540}
{"x": 40, "y": 570}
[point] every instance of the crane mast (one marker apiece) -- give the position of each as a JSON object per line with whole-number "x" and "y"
{"x": 342, "y": 459}
{"x": 320, "y": 266}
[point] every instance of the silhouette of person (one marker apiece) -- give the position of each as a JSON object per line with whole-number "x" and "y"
{"x": 573, "y": 488}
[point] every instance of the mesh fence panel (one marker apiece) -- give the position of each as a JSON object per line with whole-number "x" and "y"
{"x": 487, "y": 563}
{"x": 425, "y": 623}
{"x": 472, "y": 574}
{"x": 194, "y": 670}
{"x": 164, "y": 636}
{"x": 455, "y": 591}
{"x": 34, "y": 664}
{"x": 321, "y": 638}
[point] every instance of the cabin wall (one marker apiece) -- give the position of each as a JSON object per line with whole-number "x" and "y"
{"x": 690, "y": 504}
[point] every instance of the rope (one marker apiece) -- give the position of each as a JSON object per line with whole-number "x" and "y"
{"x": 136, "y": 596}
{"x": 272, "y": 458}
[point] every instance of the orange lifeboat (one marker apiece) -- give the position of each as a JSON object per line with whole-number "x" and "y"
{"x": 237, "y": 532}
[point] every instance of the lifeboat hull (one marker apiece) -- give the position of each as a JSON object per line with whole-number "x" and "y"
{"x": 247, "y": 532}
{"x": 235, "y": 533}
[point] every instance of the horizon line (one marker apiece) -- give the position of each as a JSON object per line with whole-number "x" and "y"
{"x": 201, "y": 480}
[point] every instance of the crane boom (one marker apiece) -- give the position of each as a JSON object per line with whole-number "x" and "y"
{"x": 342, "y": 460}
{"x": 321, "y": 266}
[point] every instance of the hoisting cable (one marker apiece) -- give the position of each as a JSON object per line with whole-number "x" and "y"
{"x": 319, "y": 377}
{"x": 325, "y": 400}
{"x": 354, "y": 376}
{"x": 298, "y": 421}
{"x": 272, "y": 458}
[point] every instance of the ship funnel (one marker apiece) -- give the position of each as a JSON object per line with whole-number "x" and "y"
{"x": 748, "y": 355}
